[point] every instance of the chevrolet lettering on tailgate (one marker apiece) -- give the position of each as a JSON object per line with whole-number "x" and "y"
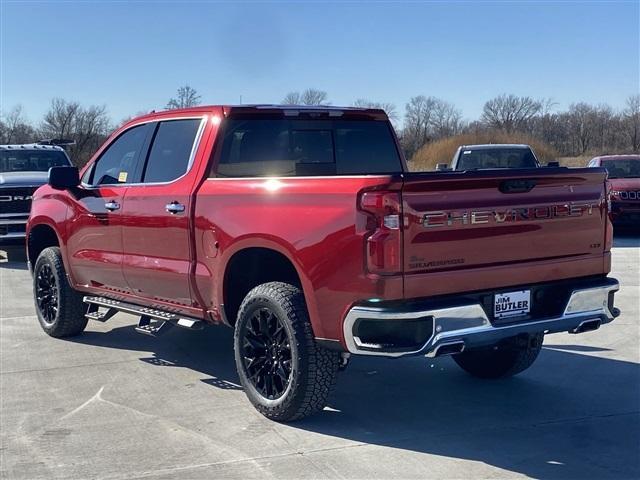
{"x": 474, "y": 217}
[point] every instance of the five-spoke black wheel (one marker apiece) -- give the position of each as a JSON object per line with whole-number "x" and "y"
{"x": 266, "y": 353}
{"x": 284, "y": 372}
{"x": 59, "y": 307}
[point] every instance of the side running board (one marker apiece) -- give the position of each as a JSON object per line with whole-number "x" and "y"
{"x": 152, "y": 321}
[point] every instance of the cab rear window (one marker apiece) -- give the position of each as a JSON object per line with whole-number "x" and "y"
{"x": 257, "y": 147}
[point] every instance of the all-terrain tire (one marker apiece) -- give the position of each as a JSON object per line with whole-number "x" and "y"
{"x": 504, "y": 359}
{"x": 313, "y": 369}
{"x": 59, "y": 307}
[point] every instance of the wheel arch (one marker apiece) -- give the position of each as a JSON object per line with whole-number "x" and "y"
{"x": 252, "y": 263}
{"x": 42, "y": 235}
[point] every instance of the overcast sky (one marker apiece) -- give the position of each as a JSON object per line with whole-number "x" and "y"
{"x": 131, "y": 57}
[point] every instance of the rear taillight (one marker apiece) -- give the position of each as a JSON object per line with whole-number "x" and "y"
{"x": 383, "y": 241}
{"x": 608, "y": 227}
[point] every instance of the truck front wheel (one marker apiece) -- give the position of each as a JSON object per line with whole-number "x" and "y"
{"x": 285, "y": 374}
{"x": 504, "y": 359}
{"x": 59, "y": 307}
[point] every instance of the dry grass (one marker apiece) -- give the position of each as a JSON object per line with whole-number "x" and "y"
{"x": 442, "y": 151}
{"x": 575, "y": 161}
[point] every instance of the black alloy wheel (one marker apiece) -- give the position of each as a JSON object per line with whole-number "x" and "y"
{"x": 47, "y": 293}
{"x": 266, "y": 353}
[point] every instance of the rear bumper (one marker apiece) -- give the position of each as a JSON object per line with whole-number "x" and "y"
{"x": 452, "y": 328}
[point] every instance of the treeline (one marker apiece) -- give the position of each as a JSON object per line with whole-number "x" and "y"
{"x": 582, "y": 129}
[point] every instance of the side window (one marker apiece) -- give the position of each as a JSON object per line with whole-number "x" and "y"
{"x": 171, "y": 150}
{"x": 119, "y": 161}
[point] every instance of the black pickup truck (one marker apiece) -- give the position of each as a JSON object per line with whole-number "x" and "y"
{"x": 23, "y": 168}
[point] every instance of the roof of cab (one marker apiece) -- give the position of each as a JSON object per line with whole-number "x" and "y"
{"x": 619, "y": 157}
{"x": 31, "y": 146}
{"x": 285, "y": 110}
{"x": 495, "y": 146}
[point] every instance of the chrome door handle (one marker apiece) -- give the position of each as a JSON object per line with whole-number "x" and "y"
{"x": 175, "y": 207}
{"x": 111, "y": 206}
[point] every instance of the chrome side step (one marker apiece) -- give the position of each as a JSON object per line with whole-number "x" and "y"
{"x": 152, "y": 321}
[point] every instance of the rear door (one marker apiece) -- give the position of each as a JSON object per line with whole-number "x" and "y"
{"x": 156, "y": 214}
{"x": 498, "y": 221}
{"x": 95, "y": 229}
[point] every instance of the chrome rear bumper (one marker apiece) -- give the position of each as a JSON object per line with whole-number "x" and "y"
{"x": 468, "y": 326}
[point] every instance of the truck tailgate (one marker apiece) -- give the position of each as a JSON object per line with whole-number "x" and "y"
{"x": 497, "y": 221}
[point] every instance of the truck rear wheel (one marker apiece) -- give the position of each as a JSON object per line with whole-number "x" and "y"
{"x": 504, "y": 359}
{"x": 285, "y": 374}
{"x": 59, "y": 307}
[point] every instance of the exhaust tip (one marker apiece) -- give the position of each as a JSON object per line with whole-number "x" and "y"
{"x": 587, "y": 326}
{"x": 450, "y": 348}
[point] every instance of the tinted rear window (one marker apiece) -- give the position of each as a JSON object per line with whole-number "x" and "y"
{"x": 496, "y": 158}
{"x": 282, "y": 147}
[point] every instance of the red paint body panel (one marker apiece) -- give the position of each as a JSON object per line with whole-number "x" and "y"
{"x": 148, "y": 256}
{"x": 312, "y": 221}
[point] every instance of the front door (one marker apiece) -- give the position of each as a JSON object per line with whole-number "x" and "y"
{"x": 95, "y": 221}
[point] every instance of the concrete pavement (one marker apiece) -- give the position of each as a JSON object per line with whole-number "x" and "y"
{"x": 114, "y": 404}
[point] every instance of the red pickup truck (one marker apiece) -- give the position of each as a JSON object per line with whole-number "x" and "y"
{"x": 302, "y": 229}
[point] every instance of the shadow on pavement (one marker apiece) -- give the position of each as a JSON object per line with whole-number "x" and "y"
{"x": 13, "y": 257}
{"x": 568, "y": 416}
{"x": 626, "y": 237}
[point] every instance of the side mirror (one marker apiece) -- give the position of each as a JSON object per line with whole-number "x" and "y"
{"x": 553, "y": 164}
{"x": 442, "y": 167}
{"x": 61, "y": 178}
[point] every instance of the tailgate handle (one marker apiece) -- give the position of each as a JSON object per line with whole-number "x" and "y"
{"x": 516, "y": 186}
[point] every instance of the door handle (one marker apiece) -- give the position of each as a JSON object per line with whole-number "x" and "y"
{"x": 112, "y": 206}
{"x": 174, "y": 207}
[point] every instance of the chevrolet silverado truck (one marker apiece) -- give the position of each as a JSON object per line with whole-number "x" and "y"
{"x": 624, "y": 181}
{"x": 23, "y": 169}
{"x": 302, "y": 229}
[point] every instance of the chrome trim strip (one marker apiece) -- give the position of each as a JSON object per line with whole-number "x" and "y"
{"x": 12, "y": 222}
{"x": 295, "y": 177}
{"x": 466, "y": 320}
{"x": 13, "y": 235}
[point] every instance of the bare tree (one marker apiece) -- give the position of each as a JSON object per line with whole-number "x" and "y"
{"x": 186, "y": 97}
{"x": 427, "y": 119}
{"x": 291, "y": 98}
{"x": 447, "y": 119}
{"x": 389, "y": 108}
{"x": 510, "y": 112}
{"x": 14, "y": 127}
{"x": 631, "y": 120}
{"x": 87, "y": 127}
{"x": 581, "y": 124}
{"x": 310, "y": 96}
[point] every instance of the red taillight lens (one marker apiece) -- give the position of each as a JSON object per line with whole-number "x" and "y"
{"x": 383, "y": 242}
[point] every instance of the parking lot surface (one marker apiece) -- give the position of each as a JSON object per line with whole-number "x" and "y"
{"x": 115, "y": 404}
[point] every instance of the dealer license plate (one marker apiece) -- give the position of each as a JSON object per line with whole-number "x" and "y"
{"x": 511, "y": 304}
